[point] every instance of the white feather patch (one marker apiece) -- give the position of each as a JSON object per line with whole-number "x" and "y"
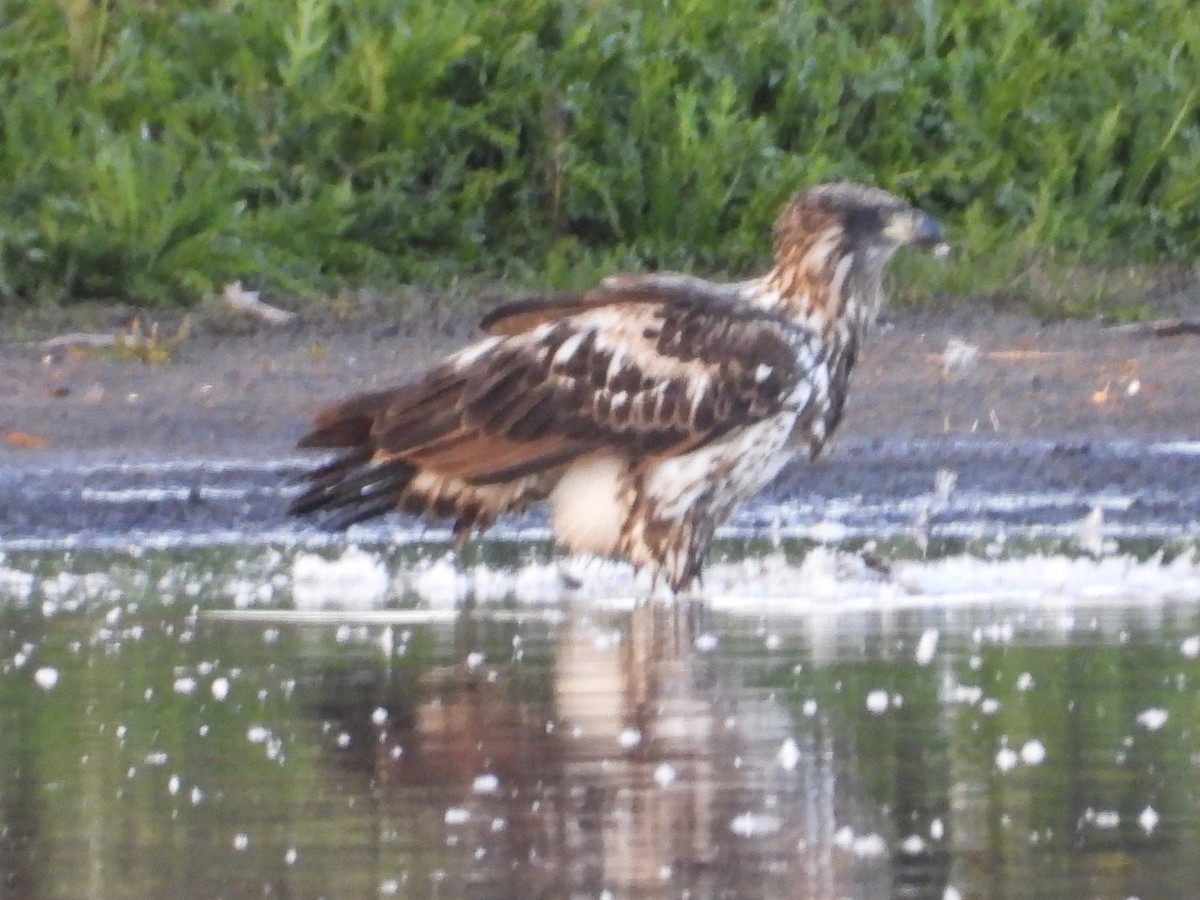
{"x": 730, "y": 470}
{"x": 585, "y": 505}
{"x": 568, "y": 347}
{"x": 822, "y": 249}
{"x": 840, "y": 271}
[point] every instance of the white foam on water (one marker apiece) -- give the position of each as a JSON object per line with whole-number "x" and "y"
{"x": 824, "y": 580}
{"x": 927, "y": 646}
{"x": 755, "y": 824}
{"x": 1006, "y": 759}
{"x": 1152, "y": 719}
{"x": 1033, "y": 752}
{"x": 789, "y": 755}
{"x": 16, "y": 584}
{"x": 220, "y": 688}
{"x": 356, "y": 579}
{"x": 877, "y": 702}
{"x": 1148, "y": 819}
{"x": 864, "y": 846}
{"x": 486, "y": 784}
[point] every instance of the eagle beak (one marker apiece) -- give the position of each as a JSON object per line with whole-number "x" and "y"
{"x": 927, "y": 231}
{"x": 916, "y": 227}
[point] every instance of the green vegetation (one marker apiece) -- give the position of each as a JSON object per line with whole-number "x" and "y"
{"x": 150, "y": 151}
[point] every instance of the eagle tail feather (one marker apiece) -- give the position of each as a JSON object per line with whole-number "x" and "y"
{"x": 334, "y": 470}
{"x": 357, "y": 514}
{"x": 347, "y": 487}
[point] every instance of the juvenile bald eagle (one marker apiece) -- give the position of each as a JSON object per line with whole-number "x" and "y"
{"x": 644, "y": 411}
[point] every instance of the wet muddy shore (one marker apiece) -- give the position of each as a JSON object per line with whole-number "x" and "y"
{"x": 206, "y": 441}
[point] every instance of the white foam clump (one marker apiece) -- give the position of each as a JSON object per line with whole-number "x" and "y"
{"x": 927, "y": 646}
{"x": 827, "y": 532}
{"x": 220, "y": 688}
{"x": 357, "y": 579}
{"x": 486, "y": 784}
{"x": 1148, "y": 819}
{"x": 1152, "y": 719}
{"x": 63, "y": 585}
{"x": 864, "y": 846}
{"x": 629, "y": 738}
{"x": 789, "y": 755}
{"x": 15, "y": 584}
{"x": 257, "y": 734}
{"x": 752, "y": 824}
{"x": 1033, "y": 752}
{"x": 1006, "y": 759}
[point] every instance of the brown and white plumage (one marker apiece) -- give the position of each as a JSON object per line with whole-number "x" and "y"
{"x": 644, "y": 411}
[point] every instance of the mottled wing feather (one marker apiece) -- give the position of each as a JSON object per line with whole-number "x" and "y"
{"x": 839, "y": 389}
{"x": 659, "y": 374}
{"x": 521, "y": 316}
{"x": 347, "y": 423}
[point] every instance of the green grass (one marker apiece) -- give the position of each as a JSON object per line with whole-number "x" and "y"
{"x": 151, "y": 151}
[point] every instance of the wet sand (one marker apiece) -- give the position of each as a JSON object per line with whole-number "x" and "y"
{"x": 250, "y": 394}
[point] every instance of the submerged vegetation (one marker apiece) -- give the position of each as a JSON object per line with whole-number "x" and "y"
{"x": 151, "y": 151}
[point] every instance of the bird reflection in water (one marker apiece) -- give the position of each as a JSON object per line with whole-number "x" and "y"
{"x": 632, "y": 763}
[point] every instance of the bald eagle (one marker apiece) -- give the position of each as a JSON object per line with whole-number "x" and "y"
{"x": 642, "y": 411}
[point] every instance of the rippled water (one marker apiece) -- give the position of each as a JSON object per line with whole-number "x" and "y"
{"x": 278, "y": 722}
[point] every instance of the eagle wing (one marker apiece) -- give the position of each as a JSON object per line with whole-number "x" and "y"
{"x": 642, "y": 371}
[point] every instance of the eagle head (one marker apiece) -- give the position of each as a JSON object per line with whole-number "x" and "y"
{"x": 832, "y": 243}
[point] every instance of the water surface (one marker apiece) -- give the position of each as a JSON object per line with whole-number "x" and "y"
{"x": 284, "y": 722}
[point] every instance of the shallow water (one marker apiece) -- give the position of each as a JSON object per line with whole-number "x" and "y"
{"x": 290, "y": 722}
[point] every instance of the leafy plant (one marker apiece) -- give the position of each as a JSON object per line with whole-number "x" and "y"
{"x": 149, "y": 152}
